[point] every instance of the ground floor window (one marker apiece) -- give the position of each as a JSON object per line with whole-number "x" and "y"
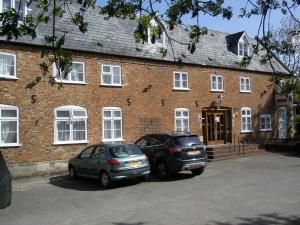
{"x": 9, "y": 125}
{"x": 265, "y": 122}
{"x": 112, "y": 124}
{"x": 181, "y": 119}
{"x": 246, "y": 121}
{"x": 70, "y": 125}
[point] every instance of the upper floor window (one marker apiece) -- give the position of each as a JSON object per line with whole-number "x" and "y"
{"x": 243, "y": 45}
{"x": 265, "y": 122}
{"x": 181, "y": 81}
{"x": 70, "y": 125}
{"x": 245, "y": 84}
{"x": 18, "y": 5}
{"x": 111, "y": 75}
{"x": 181, "y": 119}
{"x": 76, "y": 75}
{"x": 112, "y": 124}
{"x": 160, "y": 39}
{"x": 7, "y": 66}
{"x": 246, "y": 120}
{"x": 217, "y": 83}
{"x": 9, "y": 125}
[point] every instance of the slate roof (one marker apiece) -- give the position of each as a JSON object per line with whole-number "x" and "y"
{"x": 234, "y": 38}
{"x": 115, "y": 36}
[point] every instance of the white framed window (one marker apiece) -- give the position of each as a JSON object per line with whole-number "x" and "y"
{"x": 9, "y": 126}
{"x": 217, "y": 83}
{"x": 111, "y": 75}
{"x": 18, "y": 5}
{"x": 246, "y": 120}
{"x": 265, "y": 122}
{"x": 180, "y": 81}
{"x": 7, "y": 66}
{"x": 160, "y": 40}
{"x": 112, "y": 124}
{"x": 245, "y": 84}
{"x": 243, "y": 49}
{"x": 70, "y": 125}
{"x": 75, "y": 76}
{"x": 182, "y": 119}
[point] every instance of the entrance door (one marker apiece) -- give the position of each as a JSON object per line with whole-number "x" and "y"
{"x": 215, "y": 128}
{"x": 282, "y": 122}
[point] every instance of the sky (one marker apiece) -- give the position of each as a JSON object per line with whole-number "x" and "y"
{"x": 235, "y": 24}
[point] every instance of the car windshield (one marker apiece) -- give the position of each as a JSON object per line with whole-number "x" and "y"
{"x": 187, "y": 140}
{"x": 121, "y": 151}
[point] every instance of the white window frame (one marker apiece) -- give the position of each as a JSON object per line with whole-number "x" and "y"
{"x": 181, "y": 118}
{"x": 248, "y": 118}
{"x": 244, "y": 46}
{"x": 10, "y": 107}
{"x": 217, "y": 78}
{"x": 14, "y": 77}
{"x": 72, "y": 118}
{"x": 265, "y": 116}
{"x": 69, "y": 81}
{"x": 243, "y": 83}
{"x": 13, "y": 4}
{"x": 181, "y": 81}
{"x": 111, "y": 74}
{"x": 163, "y": 35}
{"x": 112, "y": 119}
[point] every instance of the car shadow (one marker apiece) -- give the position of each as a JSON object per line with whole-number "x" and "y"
{"x": 175, "y": 177}
{"x": 86, "y": 184}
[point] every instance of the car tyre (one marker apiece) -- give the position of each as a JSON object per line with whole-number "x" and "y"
{"x": 72, "y": 172}
{"x": 163, "y": 171}
{"x": 198, "y": 171}
{"x": 105, "y": 180}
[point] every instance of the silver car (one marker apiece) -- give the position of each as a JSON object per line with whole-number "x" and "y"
{"x": 110, "y": 162}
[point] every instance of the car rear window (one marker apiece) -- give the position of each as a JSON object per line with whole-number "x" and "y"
{"x": 121, "y": 151}
{"x": 187, "y": 141}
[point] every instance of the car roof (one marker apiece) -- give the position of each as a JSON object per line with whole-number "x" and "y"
{"x": 173, "y": 134}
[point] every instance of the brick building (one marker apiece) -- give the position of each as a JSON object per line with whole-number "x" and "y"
{"x": 119, "y": 90}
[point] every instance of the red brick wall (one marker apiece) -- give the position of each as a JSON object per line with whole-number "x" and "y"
{"x": 36, "y": 119}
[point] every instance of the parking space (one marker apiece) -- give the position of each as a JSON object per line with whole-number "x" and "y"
{"x": 254, "y": 190}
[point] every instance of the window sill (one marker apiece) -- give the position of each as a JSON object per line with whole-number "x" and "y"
{"x": 247, "y": 92}
{"x": 113, "y": 140}
{"x": 112, "y": 85}
{"x": 10, "y": 145}
{"x": 181, "y": 89}
{"x": 217, "y": 91}
{"x": 70, "y": 143}
{"x": 70, "y": 82}
{"x": 8, "y": 78}
{"x": 248, "y": 131}
{"x": 264, "y": 130}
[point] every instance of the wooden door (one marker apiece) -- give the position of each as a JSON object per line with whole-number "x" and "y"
{"x": 215, "y": 128}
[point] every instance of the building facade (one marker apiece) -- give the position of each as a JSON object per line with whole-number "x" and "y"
{"x": 113, "y": 95}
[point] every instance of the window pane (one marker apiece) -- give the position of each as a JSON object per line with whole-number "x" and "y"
{"x": 107, "y": 114}
{"x": 214, "y": 82}
{"x": 19, "y": 8}
{"x": 185, "y": 124}
{"x": 6, "y": 5}
{"x": 8, "y": 113}
{"x": 185, "y": 113}
{"x": 117, "y": 129}
{"x": 117, "y": 113}
{"x": 220, "y": 83}
{"x": 107, "y": 129}
{"x": 106, "y": 78}
{"x": 77, "y": 72}
{"x": 178, "y": 113}
{"x": 178, "y": 125}
{"x": 116, "y": 75}
{"x": 177, "y": 83}
{"x": 63, "y": 113}
{"x": 106, "y": 69}
{"x": 79, "y": 130}
{"x": 63, "y": 131}
{"x": 8, "y": 132}
{"x": 177, "y": 76}
{"x": 184, "y": 84}
{"x": 79, "y": 113}
{"x": 184, "y": 77}
{"x": 7, "y": 65}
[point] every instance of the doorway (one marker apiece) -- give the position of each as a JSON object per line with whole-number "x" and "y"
{"x": 282, "y": 123}
{"x": 216, "y": 126}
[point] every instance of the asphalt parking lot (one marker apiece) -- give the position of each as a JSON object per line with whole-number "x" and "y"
{"x": 255, "y": 190}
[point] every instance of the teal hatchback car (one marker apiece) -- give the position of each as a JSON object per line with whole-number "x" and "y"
{"x": 110, "y": 162}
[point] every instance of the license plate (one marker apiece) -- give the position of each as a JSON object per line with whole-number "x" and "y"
{"x": 194, "y": 152}
{"x": 134, "y": 163}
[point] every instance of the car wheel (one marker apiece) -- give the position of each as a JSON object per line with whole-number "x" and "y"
{"x": 198, "y": 171}
{"x": 162, "y": 170}
{"x": 105, "y": 179}
{"x": 142, "y": 178}
{"x": 72, "y": 172}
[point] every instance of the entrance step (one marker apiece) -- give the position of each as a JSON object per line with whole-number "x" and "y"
{"x": 228, "y": 151}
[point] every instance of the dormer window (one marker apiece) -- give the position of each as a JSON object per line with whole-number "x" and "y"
{"x": 243, "y": 46}
{"x": 154, "y": 27}
{"x": 18, "y": 5}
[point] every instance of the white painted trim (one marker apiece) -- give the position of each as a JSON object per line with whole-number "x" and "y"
{"x": 15, "y": 66}
{"x": 60, "y": 80}
{"x": 247, "y": 116}
{"x": 111, "y": 74}
{"x": 181, "y": 81}
{"x": 265, "y": 116}
{"x": 181, "y": 110}
{"x": 245, "y": 78}
{"x": 111, "y": 109}
{"x": 211, "y": 83}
